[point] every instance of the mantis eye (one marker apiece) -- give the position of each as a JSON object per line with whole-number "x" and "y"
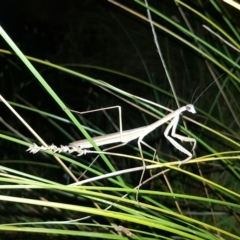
{"x": 190, "y": 108}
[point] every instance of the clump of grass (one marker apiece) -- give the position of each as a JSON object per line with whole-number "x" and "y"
{"x": 194, "y": 201}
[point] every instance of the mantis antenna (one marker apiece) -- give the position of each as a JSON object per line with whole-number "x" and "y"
{"x": 214, "y": 81}
{"x": 202, "y": 92}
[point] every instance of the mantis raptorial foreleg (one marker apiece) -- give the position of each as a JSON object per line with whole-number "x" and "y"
{"x": 173, "y": 125}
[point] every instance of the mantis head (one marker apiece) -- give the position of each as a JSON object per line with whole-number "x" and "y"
{"x": 190, "y": 108}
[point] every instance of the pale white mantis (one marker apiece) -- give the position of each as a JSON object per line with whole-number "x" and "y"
{"x": 124, "y": 137}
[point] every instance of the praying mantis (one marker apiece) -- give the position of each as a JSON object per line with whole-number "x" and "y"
{"x": 124, "y": 137}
